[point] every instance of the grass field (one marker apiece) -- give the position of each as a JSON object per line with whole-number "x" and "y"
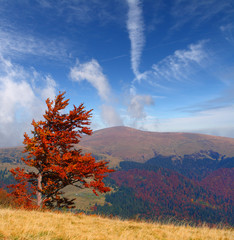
{"x": 84, "y": 198}
{"x": 21, "y": 224}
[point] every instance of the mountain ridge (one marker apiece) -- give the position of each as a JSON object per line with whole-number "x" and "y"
{"x": 132, "y": 144}
{"x": 117, "y": 144}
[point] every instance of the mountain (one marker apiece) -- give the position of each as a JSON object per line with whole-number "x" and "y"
{"x": 11, "y": 155}
{"x": 128, "y": 144}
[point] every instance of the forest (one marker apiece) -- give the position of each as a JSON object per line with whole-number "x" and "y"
{"x": 148, "y": 191}
{"x": 6, "y": 178}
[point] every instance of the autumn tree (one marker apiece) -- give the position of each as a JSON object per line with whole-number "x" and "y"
{"x": 55, "y": 159}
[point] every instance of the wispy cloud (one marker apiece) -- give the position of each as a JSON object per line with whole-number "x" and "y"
{"x": 84, "y": 12}
{"x": 44, "y": 3}
{"x": 22, "y": 98}
{"x": 228, "y": 32}
{"x": 91, "y": 72}
{"x": 199, "y": 11}
{"x": 16, "y": 44}
{"x": 114, "y": 58}
{"x": 135, "y": 26}
{"x": 181, "y": 64}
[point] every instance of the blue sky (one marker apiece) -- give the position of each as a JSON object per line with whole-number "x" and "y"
{"x": 163, "y": 66}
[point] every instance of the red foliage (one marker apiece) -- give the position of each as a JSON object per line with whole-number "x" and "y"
{"x": 51, "y": 151}
{"x": 220, "y": 182}
{"x": 20, "y": 194}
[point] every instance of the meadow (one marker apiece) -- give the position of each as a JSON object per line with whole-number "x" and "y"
{"x": 23, "y": 224}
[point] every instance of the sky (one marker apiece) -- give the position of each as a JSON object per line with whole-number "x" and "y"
{"x": 163, "y": 66}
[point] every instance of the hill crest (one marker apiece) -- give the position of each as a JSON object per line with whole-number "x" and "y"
{"x": 132, "y": 144}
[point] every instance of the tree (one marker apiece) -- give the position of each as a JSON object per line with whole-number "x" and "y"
{"x": 55, "y": 158}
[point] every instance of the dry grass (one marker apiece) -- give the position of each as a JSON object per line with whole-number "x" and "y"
{"x": 21, "y": 224}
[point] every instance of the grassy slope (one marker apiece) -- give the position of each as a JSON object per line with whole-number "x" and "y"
{"x": 85, "y": 198}
{"x": 20, "y": 224}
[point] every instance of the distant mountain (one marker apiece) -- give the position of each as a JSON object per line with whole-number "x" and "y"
{"x": 11, "y": 155}
{"x": 130, "y": 144}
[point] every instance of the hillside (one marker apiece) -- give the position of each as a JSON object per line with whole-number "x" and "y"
{"x": 165, "y": 194}
{"x": 131, "y": 144}
{"x": 11, "y": 155}
{"x": 20, "y": 224}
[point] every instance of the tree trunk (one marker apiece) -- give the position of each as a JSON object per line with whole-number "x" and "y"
{"x": 39, "y": 195}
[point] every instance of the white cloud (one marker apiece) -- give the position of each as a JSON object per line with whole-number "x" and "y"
{"x": 110, "y": 116}
{"x": 137, "y": 105}
{"x": 21, "y": 100}
{"x": 181, "y": 64}
{"x": 92, "y": 72}
{"x": 135, "y": 28}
